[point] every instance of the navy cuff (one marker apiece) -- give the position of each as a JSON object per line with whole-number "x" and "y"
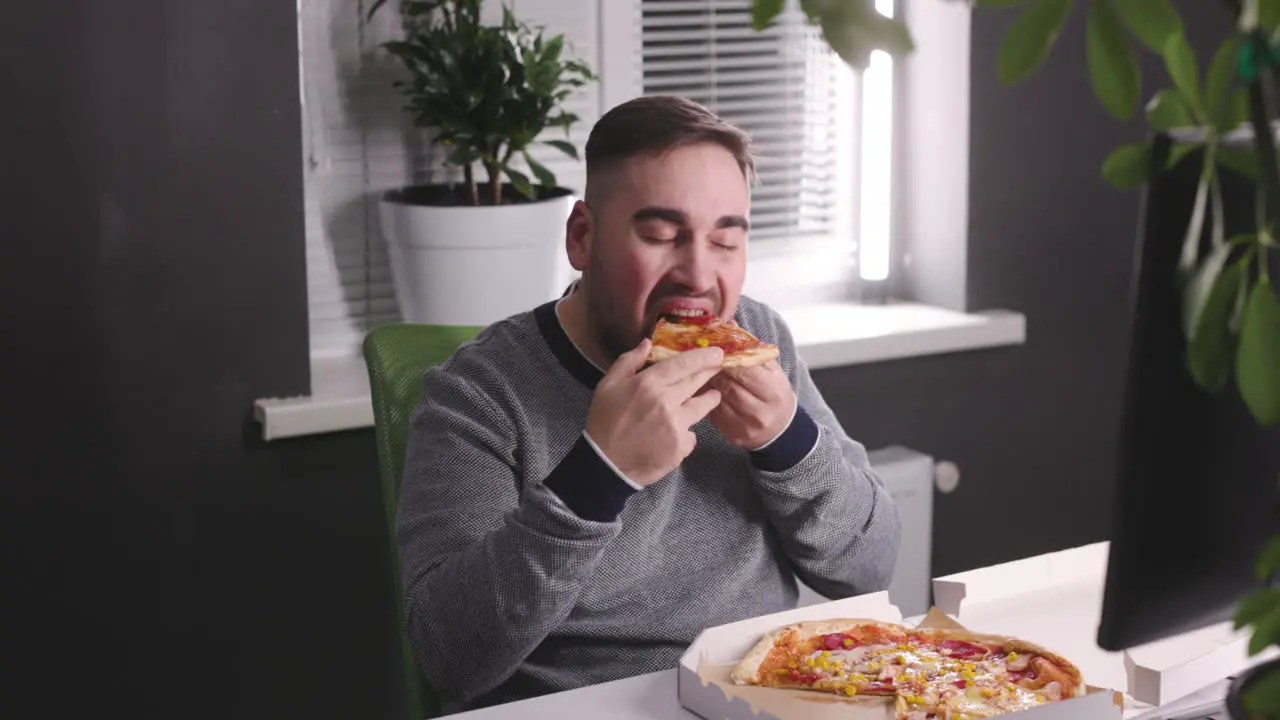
{"x": 792, "y": 446}
{"x": 587, "y": 485}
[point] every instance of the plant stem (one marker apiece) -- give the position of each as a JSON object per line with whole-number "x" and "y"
{"x": 1260, "y": 112}
{"x": 473, "y": 191}
{"x": 495, "y": 182}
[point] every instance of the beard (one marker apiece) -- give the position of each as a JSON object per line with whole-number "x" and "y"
{"x": 610, "y": 324}
{"x": 605, "y": 321}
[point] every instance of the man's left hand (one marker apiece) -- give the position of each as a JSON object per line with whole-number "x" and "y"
{"x": 756, "y": 404}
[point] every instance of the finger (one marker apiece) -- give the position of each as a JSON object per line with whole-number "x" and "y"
{"x": 687, "y": 363}
{"x": 629, "y": 362}
{"x": 760, "y": 382}
{"x": 697, "y": 407}
{"x": 689, "y": 386}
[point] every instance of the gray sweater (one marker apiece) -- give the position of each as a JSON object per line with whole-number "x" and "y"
{"x": 531, "y": 567}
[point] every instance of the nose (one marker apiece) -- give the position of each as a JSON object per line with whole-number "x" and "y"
{"x": 695, "y": 267}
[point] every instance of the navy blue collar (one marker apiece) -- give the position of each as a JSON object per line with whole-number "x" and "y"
{"x": 565, "y": 351}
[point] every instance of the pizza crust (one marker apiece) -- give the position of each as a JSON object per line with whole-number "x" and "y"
{"x": 747, "y": 671}
{"x": 742, "y": 358}
{"x": 750, "y": 358}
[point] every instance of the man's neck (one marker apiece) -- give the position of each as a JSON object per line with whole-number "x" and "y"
{"x": 572, "y": 313}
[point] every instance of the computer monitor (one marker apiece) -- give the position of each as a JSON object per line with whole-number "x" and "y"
{"x": 1197, "y": 476}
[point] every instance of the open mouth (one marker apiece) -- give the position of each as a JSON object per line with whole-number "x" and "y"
{"x": 687, "y": 315}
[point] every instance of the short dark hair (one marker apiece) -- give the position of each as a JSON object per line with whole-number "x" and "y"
{"x": 654, "y": 124}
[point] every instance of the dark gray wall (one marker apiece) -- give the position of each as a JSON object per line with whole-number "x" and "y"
{"x": 1033, "y": 429}
{"x": 159, "y": 557}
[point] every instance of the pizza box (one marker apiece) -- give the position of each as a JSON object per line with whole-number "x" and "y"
{"x": 1056, "y": 599}
{"x": 705, "y": 689}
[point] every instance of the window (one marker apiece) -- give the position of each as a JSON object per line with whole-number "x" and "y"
{"x": 783, "y": 87}
{"x": 823, "y": 136}
{"x": 830, "y": 179}
{"x": 357, "y": 143}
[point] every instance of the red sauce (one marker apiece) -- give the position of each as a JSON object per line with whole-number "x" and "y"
{"x": 963, "y": 650}
{"x": 836, "y": 641}
{"x": 806, "y": 678}
{"x": 1016, "y": 675}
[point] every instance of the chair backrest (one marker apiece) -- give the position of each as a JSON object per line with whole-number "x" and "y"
{"x": 398, "y": 355}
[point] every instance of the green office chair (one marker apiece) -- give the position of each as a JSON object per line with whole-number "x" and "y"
{"x": 398, "y": 355}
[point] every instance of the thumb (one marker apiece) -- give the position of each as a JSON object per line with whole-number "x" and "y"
{"x": 629, "y": 362}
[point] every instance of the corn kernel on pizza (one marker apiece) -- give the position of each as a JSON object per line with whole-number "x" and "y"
{"x": 932, "y": 674}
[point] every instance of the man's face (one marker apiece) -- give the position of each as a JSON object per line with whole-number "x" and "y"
{"x": 669, "y": 236}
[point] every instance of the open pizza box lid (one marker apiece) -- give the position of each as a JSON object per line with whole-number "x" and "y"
{"x": 1056, "y": 600}
{"x": 705, "y": 688}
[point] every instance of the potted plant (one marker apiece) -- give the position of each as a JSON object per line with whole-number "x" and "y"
{"x": 492, "y": 244}
{"x": 1231, "y": 315}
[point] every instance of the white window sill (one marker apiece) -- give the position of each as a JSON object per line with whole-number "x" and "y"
{"x": 828, "y": 335}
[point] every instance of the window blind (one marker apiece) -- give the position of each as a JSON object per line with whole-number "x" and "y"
{"x": 784, "y": 87}
{"x": 358, "y": 143}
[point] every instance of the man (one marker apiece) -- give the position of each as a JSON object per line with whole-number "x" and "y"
{"x": 569, "y": 516}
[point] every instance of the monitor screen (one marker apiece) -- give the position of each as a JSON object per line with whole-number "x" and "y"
{"x": 1197, "y": 476}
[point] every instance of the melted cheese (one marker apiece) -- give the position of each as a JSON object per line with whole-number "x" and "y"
{"x": 928, "y": 680}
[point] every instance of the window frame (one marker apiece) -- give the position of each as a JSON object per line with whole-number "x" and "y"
{"x": 929, "y": 195}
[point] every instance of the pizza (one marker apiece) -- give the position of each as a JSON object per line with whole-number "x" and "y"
{"x": 675, "y": 334}
{"x": 931, "y": 674}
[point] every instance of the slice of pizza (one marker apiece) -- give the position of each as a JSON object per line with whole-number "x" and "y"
{"x": 843, "y": 657}
{"x": 676, "y": 334}
{"x": 983, "y": 675}
{"x": 931, "y": 674}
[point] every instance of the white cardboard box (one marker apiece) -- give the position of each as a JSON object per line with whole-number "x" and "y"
{"x": 1056, "y": 600}
{"x": 703, "y": 686}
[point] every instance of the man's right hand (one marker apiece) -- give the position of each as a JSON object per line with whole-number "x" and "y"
{"x": 641, "y": 420}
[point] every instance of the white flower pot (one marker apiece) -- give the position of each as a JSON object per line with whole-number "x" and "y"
{"x": 474, "y": 265}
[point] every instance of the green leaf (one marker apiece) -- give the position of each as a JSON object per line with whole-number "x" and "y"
{"x": 1266, "y": 632}
{"x": 1030, "y": 39}
{"x": 1179, "y": 151}
{"x": 1113, "y": 69}
{"x": 1268, "y": 560}
{"x": 1180, "y": 61}
{"x": 565, "y": 147}
{"x": 1153, "y": 21}
{"x": 855, "y": 29}
{"x": 1196, "y": 294}
{"x": 764, "y": 11}
{"x": 546, "y": 178}
{"x": 1255, "y": 605}
{"x": 462, "y": 155}
{"x": 1241, "y": 161}
{"x": 1208, "y": 303}
{"x": 1239, "y": 108}
{"x": 999, "y": 3}
{"x": 1262, "y": 697}
{"x": 1268, "y": 14}
{"x": 1167, "y": 111}
{"x": 1128, "y": 166}
{"x": 1218, "y": 84}
{"x": 521, "y": 183}
{"x": 1258, "y": 358}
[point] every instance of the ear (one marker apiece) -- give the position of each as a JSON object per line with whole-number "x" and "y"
{"x": 578, "y": 236}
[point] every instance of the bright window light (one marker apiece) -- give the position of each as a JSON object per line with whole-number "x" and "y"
{"x": 877, "y": 161}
